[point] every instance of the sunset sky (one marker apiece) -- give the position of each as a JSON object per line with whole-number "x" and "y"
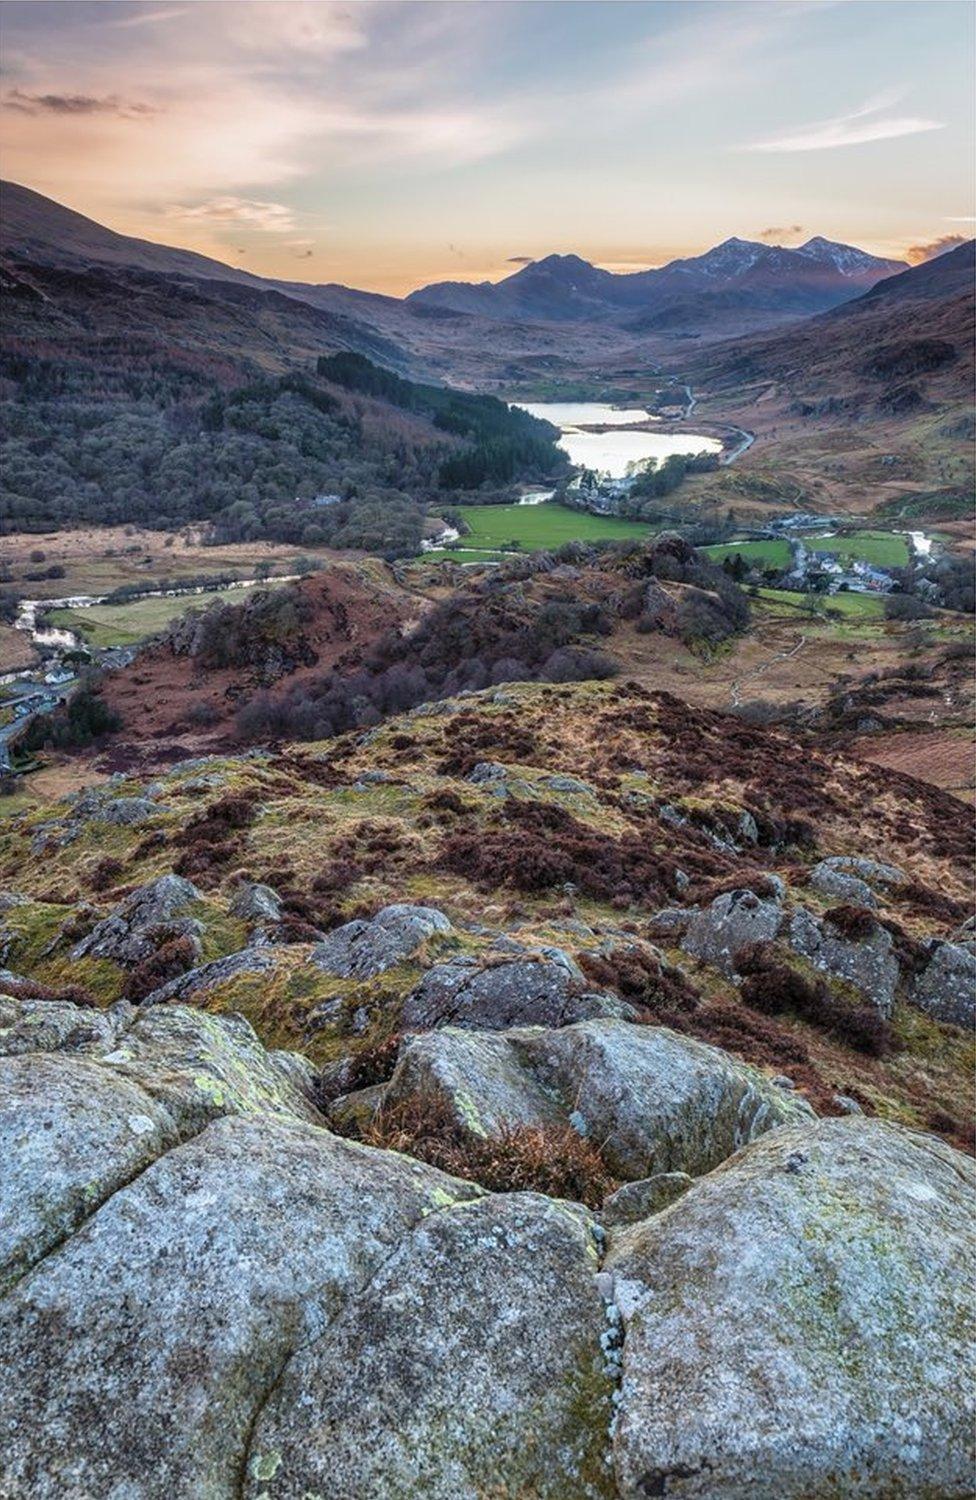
{"x": 387, "y": 145}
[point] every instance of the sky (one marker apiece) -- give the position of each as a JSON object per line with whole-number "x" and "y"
{"x": 386, "y": 145}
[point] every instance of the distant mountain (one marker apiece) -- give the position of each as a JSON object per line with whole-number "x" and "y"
{"x": 40, "y": 238}
{"x": 905, "y": 344}
{"x": 739, "y": 275}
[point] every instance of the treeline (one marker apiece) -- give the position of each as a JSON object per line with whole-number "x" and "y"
{"x": 252, "y": 461}
{"x": 92, "y": 443}
{"x": 502, "y": 441}
{"x": 653, "y": 483}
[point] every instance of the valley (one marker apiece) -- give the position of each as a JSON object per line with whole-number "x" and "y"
{"x": 487, "y": 961}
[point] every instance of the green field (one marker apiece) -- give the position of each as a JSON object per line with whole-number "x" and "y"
{"x": 772, "y": 553}
{"x": 884, "y": 549}
{"x": 530, "y": 527}
{"x": 858, "y": 606}
{"x": 103, "y": 625}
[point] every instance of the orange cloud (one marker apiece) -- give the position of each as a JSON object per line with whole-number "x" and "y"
{"x": 916, "y": 254}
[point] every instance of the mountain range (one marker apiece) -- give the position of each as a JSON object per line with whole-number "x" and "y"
{"x": 754, "y": 277}
{"x": 67, "y": 275}
{"x": 906, "y": 342}
{"x": 739, "y": 280}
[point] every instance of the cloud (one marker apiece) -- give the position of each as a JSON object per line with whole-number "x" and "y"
{"x": 960, "y": 218}
{"x": 916, "y": 254}
{"x": 77, "y": 104}
{"x": 520, "y": 260}
{"x": 273, "y": 218}
{"x": 858, "y": 128}
{"x": 780, "y": 232}
{"x": 148, "y": 17}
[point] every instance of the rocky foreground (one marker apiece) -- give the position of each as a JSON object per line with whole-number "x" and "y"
{"x": 553, "y": 1093}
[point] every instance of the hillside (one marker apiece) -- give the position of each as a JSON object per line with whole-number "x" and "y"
{"x": 906, "y": 343}
{"x": 130, "y": 395}
{"x": 348, "y": 646}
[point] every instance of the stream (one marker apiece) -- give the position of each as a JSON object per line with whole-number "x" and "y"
{"x": 41, "y": 688}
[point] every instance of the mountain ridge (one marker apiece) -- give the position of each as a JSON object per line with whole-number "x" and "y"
{"x": 556, "y": 288}
{"x": 815, "y": 276}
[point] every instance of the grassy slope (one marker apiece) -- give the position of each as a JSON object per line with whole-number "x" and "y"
{"x": 124, "y": 624}
{"x": 547, "y": 525}
{"x": 305, "y": 823}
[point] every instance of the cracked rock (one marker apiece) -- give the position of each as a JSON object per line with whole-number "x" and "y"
{"x": 803, "y": 1332}
{"x": 362, "y": 949}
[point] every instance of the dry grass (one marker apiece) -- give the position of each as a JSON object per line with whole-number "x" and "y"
{"x": 549, "y": 1159}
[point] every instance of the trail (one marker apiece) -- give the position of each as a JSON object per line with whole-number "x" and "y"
{"x": 746, "y": 439}
{"x": 734, "y": 687}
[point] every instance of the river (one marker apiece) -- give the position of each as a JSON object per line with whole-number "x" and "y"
{"x": 609, "y": 440}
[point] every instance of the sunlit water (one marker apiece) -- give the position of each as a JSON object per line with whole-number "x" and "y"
{"x": 613, "y": 453}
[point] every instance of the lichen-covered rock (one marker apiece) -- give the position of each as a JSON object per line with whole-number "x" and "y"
{"x": 733, "y": 920}
{"x": 482, "y": 1076}
{"x": 256, "y": 903}
{"x": 131, "y": 933}
{"x": 201, "y": 1067}
{"x": 129, "y": 812}
{"x": 360, "y": 949}
{"x": 946, "y": 987}
{"x": 832, "y": 882}
{"x": 196, "y": 1065}
{"x": 873, "y": 872}
{"x": 639, "y": 1200}
{"x": 655, "y": 1101}
{"x": 522, "y": 991}
{"x": 651, "y": 1100}
{"x": 800, "y": 1324}
{"x": 867, "y": 962}
{"x": 199, "y": 981}
{"x": 70, "y": 1135}
{"x": 58, "y": 1025}
{"x": 137, "y": 1358}
{"x": 470, "y": 1366}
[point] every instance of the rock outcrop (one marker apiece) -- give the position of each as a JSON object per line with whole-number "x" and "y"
{"x": 651, "y": 1100}
{"x": 360, "y": 949}
{"x": 222, "y": 1298}
{"x": 800, "y": 1324}
{"x": 523, "y": 990}
{"x": 151, "y": 914}
{"x": 946, "y": 987}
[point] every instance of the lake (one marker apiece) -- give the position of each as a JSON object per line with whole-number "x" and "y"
{"x": 612, "y": 452}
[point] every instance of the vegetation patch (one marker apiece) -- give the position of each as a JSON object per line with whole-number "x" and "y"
{"x": 549, "y": 1159}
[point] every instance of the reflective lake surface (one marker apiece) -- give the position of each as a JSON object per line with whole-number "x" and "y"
{"x": 613, "y": 452}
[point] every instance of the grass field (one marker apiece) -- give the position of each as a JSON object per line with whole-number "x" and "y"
{"x": 103, "y": 625}
{"x": 856, "y": 606}
{"x": 532, "y": 527}
{"x": 881, "y": 548}
{"x": 772, "y": 553}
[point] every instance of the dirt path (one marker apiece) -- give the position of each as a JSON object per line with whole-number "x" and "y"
{"x": 734, "y": 694}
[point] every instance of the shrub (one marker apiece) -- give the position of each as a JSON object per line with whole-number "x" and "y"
{"x": 771, "y": 985}
{"x": 549, "y": 1159}
{"x": 105, "y": 873}
{"x": 31, "y": 989}
{"x": 173, "y": 957}
{"x": 852, "y": 922}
